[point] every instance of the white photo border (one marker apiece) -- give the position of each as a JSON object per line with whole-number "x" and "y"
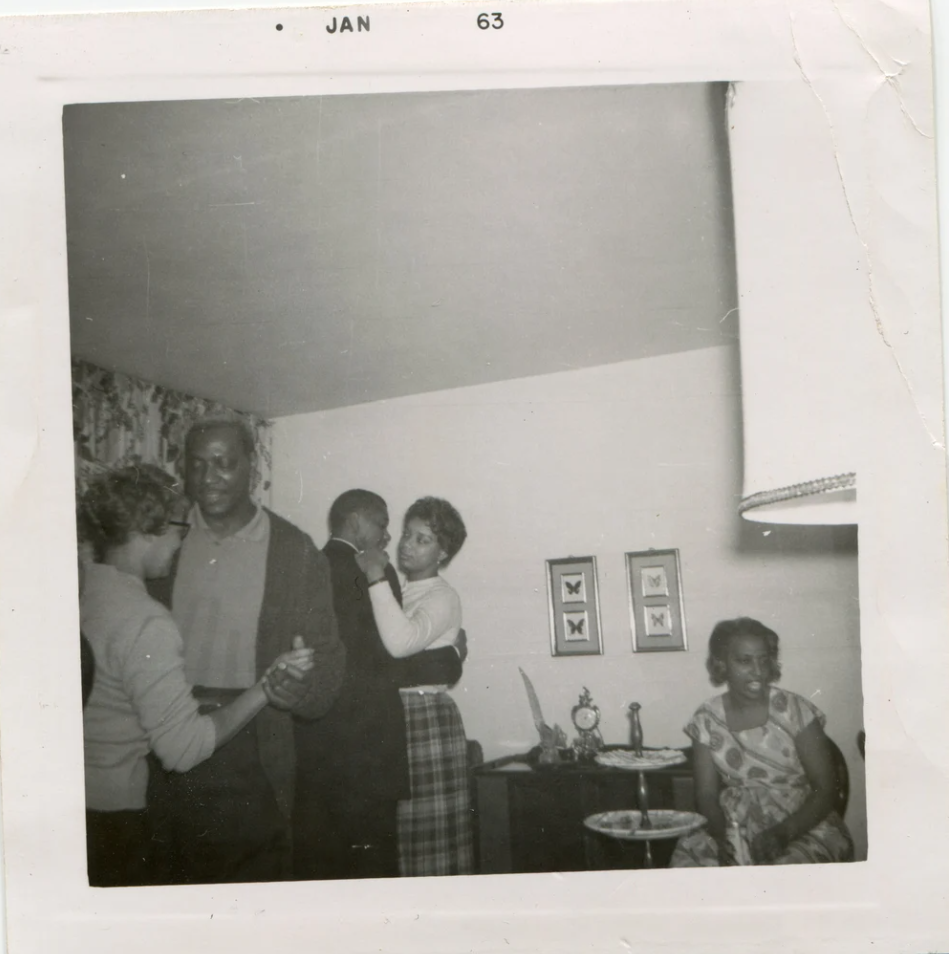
{"x": 841, "y": 51}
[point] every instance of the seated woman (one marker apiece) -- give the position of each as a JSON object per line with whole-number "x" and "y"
{"x": 140, "y": 699}
{"x": 434, "y": 825}
{"x": 764, "y": 777}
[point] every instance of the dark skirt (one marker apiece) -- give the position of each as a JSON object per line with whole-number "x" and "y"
{"x": 435, "y": 836}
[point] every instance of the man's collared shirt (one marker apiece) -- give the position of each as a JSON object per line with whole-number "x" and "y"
{"x": 341, "y": 540}
{"x": 219, "y": 589}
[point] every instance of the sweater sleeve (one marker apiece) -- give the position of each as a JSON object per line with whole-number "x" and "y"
{"x": 153, "y": 676}
{"x": 321, "y": 634}
{"x": 403, "y": 635}
{"x": 433, "y": 667}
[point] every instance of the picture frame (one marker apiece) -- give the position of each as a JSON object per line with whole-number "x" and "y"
{"x": 656, "y": 605}
{"x": 574, "y": 607}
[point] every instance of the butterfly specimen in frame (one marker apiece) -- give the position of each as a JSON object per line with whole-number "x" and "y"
{"x": 573, "y": 603}
{"x": 576, "y": 626}
{"x": 654, "y": 581}
{"x": 656, "y": 606}
{"x": 658, "y": 620}
{"x": 573, "y": 588}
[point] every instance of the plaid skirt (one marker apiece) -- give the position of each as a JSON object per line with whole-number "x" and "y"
{"x": 435, "y": 836}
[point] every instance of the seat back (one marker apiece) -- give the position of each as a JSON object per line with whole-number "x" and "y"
{"x": 87, "y": 662}
{"x": 475, "y": 754}
{"x": 842, "y": 775}
{"x": 475, "y": 758}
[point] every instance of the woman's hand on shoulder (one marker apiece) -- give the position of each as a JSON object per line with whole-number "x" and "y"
{"x": 373, "y": 563}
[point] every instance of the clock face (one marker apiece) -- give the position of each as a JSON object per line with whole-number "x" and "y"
{"x": 586, "y": 718}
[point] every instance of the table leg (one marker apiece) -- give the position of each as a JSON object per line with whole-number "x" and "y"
{"x": 646, "y": 822}
{"x": 647, "y": 857}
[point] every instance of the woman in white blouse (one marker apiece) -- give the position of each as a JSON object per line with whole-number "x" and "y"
{"x": 434, "y": 824}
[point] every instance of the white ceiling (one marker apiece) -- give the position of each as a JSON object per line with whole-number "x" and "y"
{"x": 292, "y": 255}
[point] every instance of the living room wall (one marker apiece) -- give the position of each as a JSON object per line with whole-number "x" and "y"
{"x": 600, "y": 461}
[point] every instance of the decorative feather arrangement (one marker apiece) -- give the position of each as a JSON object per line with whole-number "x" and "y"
{"x": 551, "y": 739}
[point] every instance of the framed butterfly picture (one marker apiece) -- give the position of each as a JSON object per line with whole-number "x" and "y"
{"x": 656, "y": 607}
{"x": 574, "y": 607}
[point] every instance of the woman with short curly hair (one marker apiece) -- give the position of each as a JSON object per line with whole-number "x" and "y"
{"x": 434, "y": 825}
{"x": 722, "y": 635}
{"x": 764, "y": 777}
{"x": 132, "y": 517}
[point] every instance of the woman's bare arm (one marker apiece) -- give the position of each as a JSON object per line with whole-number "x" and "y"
{"x": 814, "y": 753}
{"x": 230, "y": 719}
{"x": 707, "y": 791}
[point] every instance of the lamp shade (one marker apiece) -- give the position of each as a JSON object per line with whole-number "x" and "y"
{"x": 803, "y": 296}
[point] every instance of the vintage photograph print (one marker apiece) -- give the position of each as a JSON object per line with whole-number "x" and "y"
{"x": 354, "y": 336}
{"x": 260, "y": 286}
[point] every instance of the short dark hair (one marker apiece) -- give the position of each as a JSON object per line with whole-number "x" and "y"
{"x": 444, "y": 521}
{"x": 133, "y": 499}
{"x": 224, "y": 421}
{"x": 350, "y": 502}
{"x": 727, "y": 630}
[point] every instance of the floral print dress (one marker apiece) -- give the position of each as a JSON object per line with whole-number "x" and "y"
{"x": 763, "y": 782}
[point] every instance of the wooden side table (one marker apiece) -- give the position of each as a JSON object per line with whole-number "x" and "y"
{"x": 530, "y": 819}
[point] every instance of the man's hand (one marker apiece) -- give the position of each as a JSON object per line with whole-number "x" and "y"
{"x": 373, "y": 563}
{"x": 461, "y": 644}
{"x": 284, "y": 682}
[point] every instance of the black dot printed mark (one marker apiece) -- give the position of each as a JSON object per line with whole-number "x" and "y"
{"x": 279, "y": 26}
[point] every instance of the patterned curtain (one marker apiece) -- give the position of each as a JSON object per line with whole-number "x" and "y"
{"x": 118, "y": 419}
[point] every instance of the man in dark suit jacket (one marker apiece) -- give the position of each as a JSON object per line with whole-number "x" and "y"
{"x": 352, "y": 765}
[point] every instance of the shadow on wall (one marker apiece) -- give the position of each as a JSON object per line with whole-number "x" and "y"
{"x": 762, "y": 539}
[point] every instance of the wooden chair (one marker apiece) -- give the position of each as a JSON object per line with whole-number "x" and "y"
{"x": 88, "y": 667}
{"x": 475, "y": 758}
{"x": 843, "y": 777}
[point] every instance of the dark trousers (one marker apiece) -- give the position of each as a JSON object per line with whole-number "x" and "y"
{"x": 220, "y": 822}
{"x": 337, "y": 838}
{"x": 117, "y": 849}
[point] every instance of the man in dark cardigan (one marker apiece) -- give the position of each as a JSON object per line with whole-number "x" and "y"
{"x": 246, "y": 586}
{"x": 353, "y": 765}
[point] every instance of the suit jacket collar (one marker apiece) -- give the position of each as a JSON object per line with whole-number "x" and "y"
{"x": 341, "y": 542}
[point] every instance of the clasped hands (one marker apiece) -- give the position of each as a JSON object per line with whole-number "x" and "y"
{"x": 765, "y": 847}
{"x": 284, "y": 682}
{"x": 769, "y": 845}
